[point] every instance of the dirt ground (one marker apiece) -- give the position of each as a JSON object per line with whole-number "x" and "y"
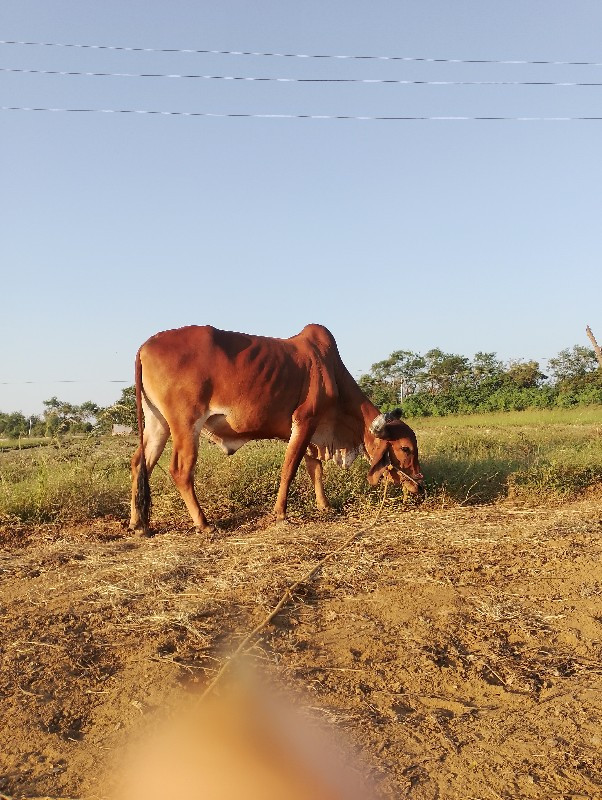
{"x": 460, "y": 649}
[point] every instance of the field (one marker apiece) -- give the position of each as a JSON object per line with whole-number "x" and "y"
{"x": 457, "y": 644}
{"x": 23, "y": 443}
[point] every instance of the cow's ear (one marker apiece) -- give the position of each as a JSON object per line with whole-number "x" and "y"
{"x": 395, "y": 414}
{"x": 380, "y": 462}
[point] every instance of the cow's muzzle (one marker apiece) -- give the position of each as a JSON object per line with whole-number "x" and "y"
{"x": 413, "y": 484}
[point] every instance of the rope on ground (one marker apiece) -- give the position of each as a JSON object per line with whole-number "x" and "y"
{"x": 287, "y": 596}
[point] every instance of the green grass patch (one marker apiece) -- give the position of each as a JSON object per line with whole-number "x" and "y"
{"x": 233, "y": 488}
{"x": 532, "y": 456}
{"x": 529, "y": 455}
{"x": 538, "y": 417}
{"x": 74, "y": 480}
{"x": 22, "y": 444}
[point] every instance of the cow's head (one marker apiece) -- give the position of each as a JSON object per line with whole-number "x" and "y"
{"x": 395, "y": 453}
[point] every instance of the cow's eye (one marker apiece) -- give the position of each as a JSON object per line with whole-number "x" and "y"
{"x": 406, "y": 449}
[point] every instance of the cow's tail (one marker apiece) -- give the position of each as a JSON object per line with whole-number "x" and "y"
{"x": 143, "y": 495}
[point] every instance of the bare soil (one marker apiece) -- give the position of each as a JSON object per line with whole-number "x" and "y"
{"x": 460, "y": 649}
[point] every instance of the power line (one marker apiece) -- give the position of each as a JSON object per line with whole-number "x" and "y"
{"x": 306, "y": 55}
{"x": 294, "y": 80}
{"x": 36, "y": 383}
{"x": 302, "y": 116}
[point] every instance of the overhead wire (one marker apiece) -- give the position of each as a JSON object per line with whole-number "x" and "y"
{"x": 403, "y": 82}
{"x": 389, "y": 117}
{"x": 34, "y": 383}
{"x": 303, "y": 80}
{"x": 304, "y": 55}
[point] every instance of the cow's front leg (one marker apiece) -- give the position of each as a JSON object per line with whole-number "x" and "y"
{"x": 316, "y": 473}
{"x": 297, "y": 445}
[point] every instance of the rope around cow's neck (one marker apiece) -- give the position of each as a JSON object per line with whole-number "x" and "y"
{"x": 286, "y": 597}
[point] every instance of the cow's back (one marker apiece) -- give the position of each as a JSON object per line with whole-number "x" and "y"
{"x": 258, "y": 383}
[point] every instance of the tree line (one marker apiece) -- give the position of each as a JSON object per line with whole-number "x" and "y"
{"x": 439, "y": 383}
{"x": 433, "y": 384}
{"x": 60, "y": 417}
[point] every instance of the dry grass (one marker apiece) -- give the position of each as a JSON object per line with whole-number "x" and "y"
{"x": 460, "y": 648}
{"x": 458, "y": 644}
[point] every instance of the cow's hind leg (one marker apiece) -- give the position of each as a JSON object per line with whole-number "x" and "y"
{"x": 156, "y": 434}
{"x": 316, "y": 473}
{"x": 183, "y": 461}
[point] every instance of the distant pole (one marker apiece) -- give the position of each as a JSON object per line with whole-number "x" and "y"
{"x": 401, "y": 390}
{"x": 597, "y": 348}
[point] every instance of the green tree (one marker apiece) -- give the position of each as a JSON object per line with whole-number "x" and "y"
{"x": 525, "y": 374}
{"x": 14, "y": 425}
{"x": 61, "y": 416}
{"x": 573, "y": 362}
{"x": 381, "y": 393}
{"x": 122, "y": 412}
{"x": 486, "y": 367}
{"x": 443, "y": 370}
{"x": 400, "y": 371}
{"x": 392, "y": 378}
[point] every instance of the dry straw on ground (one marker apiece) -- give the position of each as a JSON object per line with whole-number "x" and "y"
{"x": 459, "y": 644}
{"x": 461, "y": 649}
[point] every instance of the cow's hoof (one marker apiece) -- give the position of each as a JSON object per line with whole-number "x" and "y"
{"x": 327, "y": 512}
{"x": 208, "y": 530}
{"x": 139, "y": 529}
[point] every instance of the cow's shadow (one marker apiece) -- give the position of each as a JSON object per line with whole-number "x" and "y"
{"x": 246, "y": 520}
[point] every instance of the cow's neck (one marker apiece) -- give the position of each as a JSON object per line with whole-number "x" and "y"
{"x": 369, "y": 414}
{"x": 353, "y": 398}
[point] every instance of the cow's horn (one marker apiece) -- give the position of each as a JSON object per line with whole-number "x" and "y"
{"x": 378, "y": 425}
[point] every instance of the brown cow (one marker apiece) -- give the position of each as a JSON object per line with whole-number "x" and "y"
{"x": 234, "y": 387}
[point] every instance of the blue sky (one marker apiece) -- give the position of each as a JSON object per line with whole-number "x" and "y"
{"x": 466, "y": 235}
